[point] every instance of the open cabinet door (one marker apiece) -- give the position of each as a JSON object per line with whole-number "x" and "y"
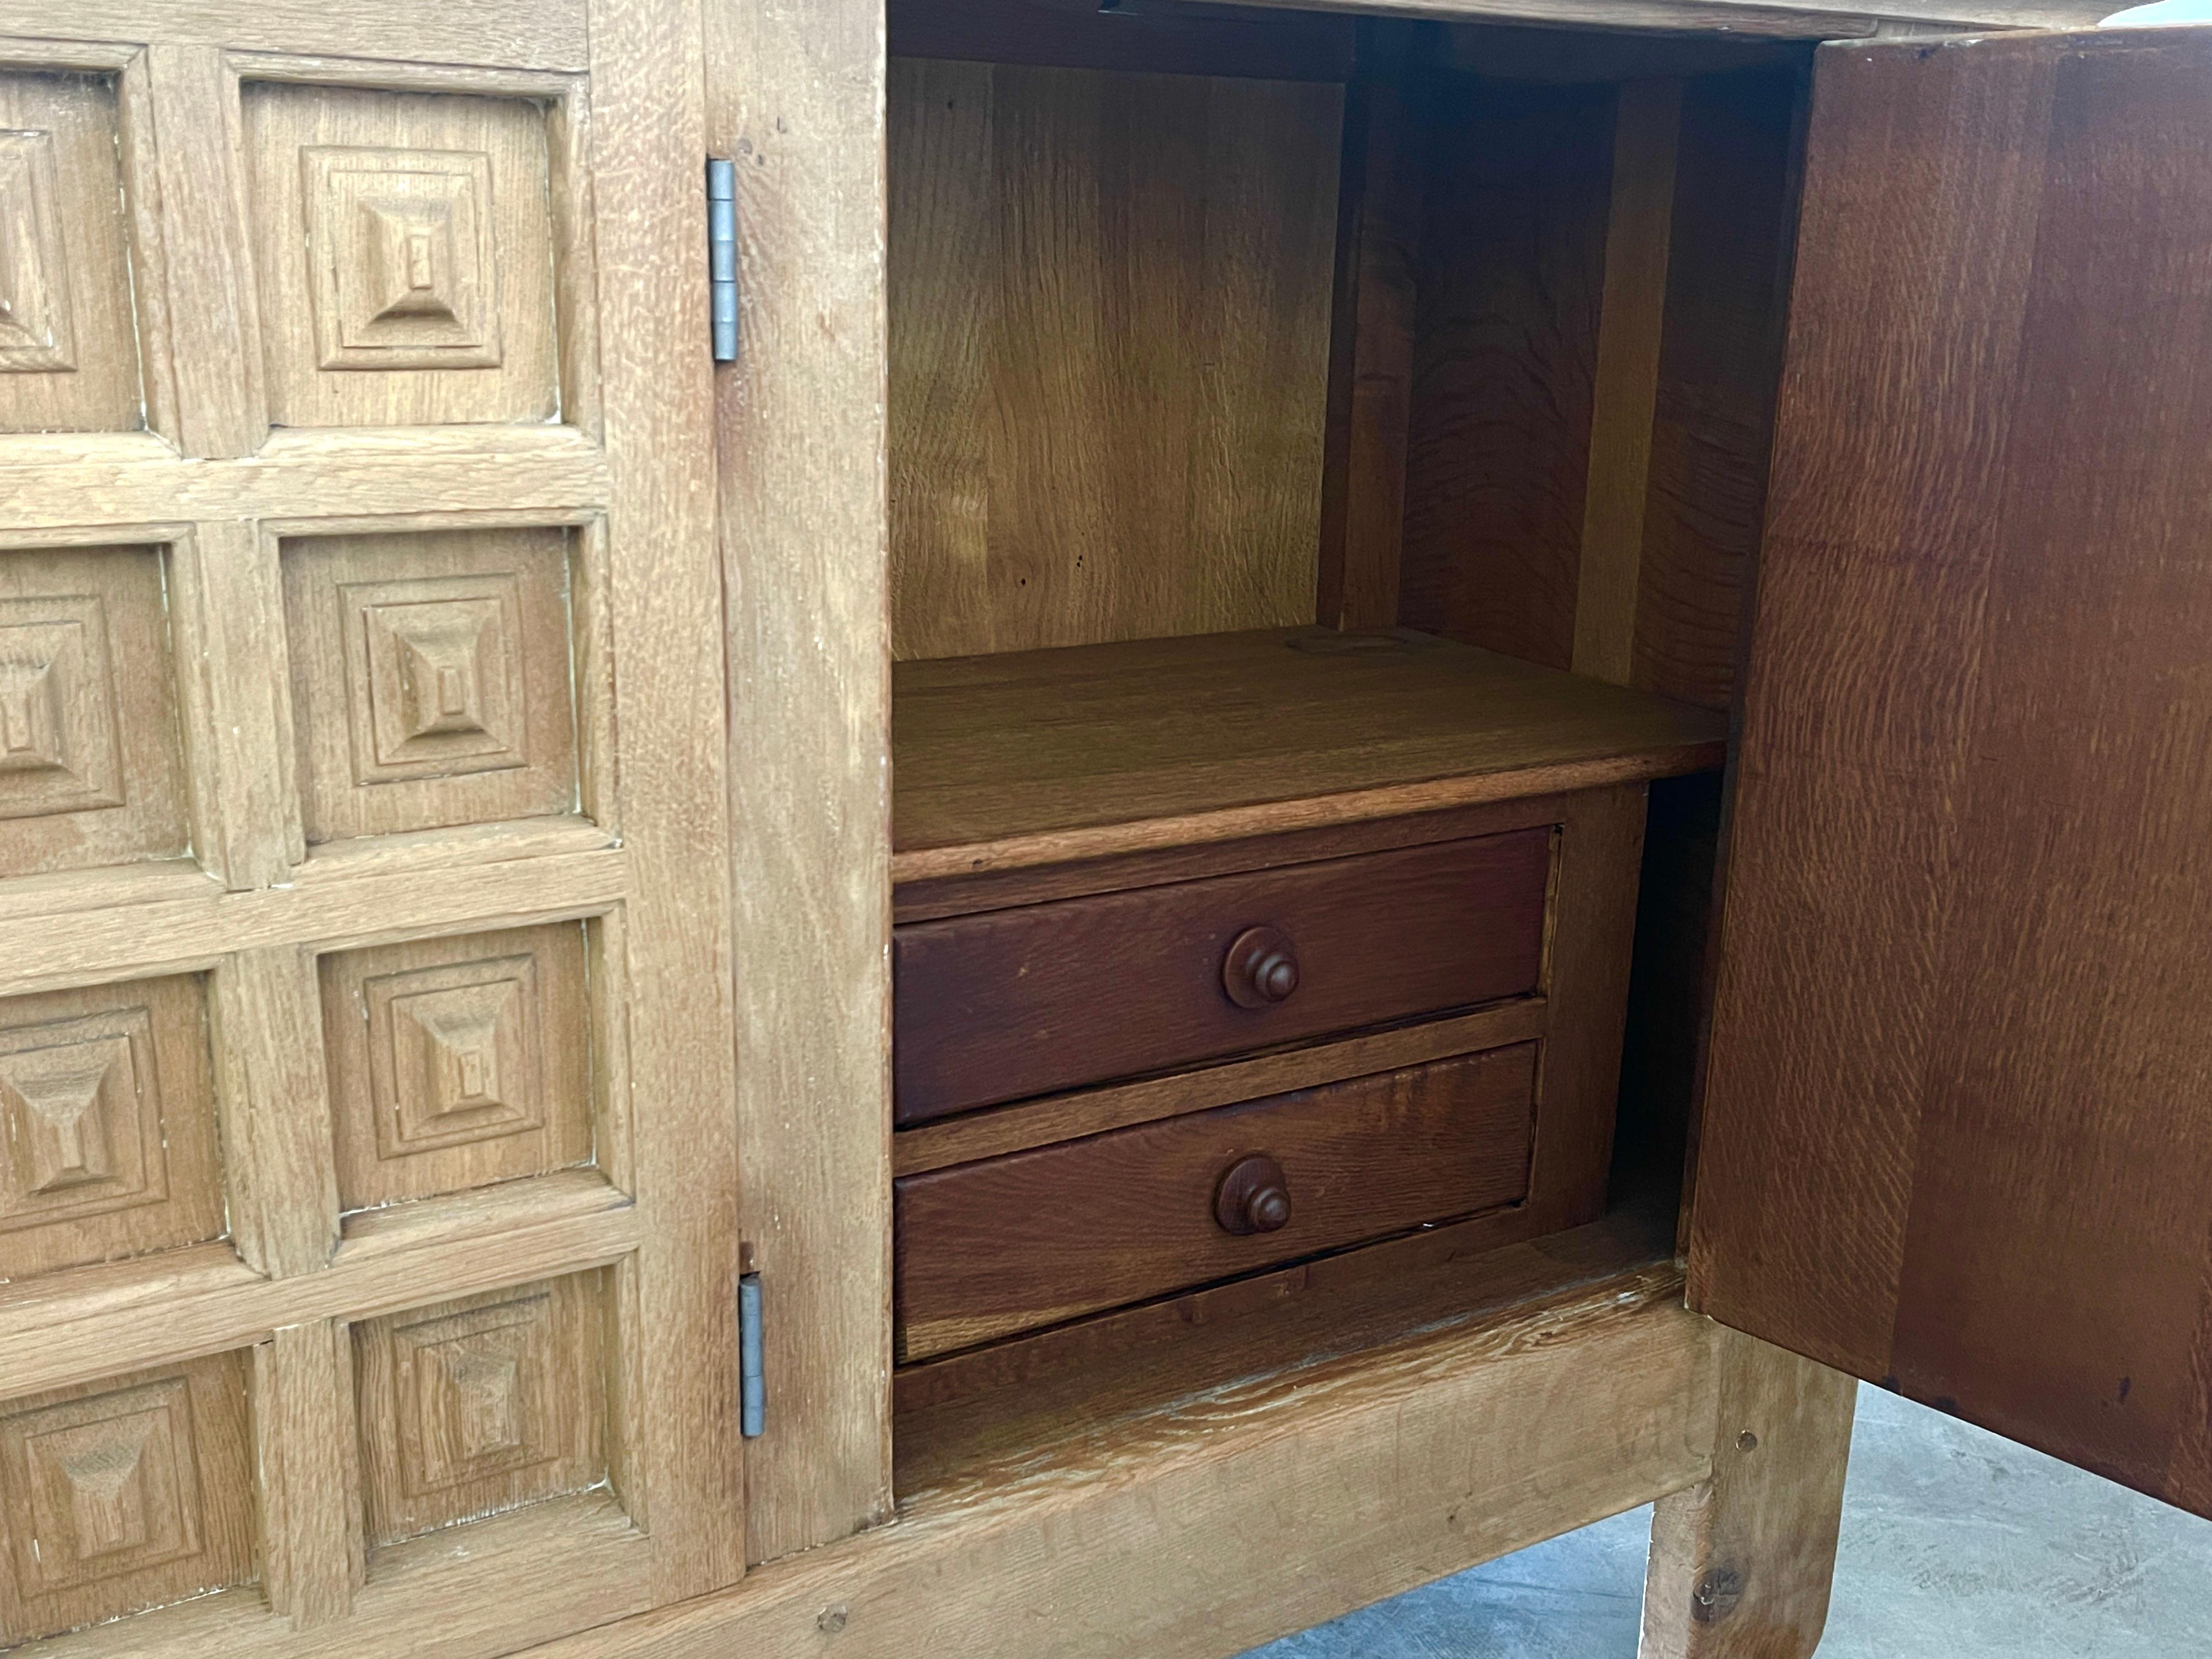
{"x": 1958, "y": 1132}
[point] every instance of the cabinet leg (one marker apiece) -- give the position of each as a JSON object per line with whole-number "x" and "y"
{"x": 1741, "y": 1564}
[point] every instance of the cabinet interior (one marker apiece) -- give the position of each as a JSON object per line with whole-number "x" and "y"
{"x": 1204, "y": 321}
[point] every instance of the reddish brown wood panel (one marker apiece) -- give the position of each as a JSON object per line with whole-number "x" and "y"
{"x": 1511, "y": 271}
{"x": 1028, "y": 1240}
{"x": 1720, "y": 363}
{"x": 1013, "y": 1003}
{"x": 1955, "y": 1136}
{"x": 1083, "y": 34}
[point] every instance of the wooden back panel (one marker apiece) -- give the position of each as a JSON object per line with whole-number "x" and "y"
{"x": 1109, "y": 313}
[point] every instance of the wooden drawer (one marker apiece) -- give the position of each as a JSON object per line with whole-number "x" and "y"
{"x": 1014, "y": 1003}
{"x": 1012, "y": 1243}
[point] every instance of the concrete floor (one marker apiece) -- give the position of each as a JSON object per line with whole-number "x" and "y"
{"x": 1956, "y": 1545}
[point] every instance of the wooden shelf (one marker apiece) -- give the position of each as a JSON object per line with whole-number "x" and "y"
{"x": 1040, "y": 757}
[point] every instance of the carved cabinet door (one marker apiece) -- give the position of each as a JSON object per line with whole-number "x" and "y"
{"x": 367, "y": 1182}
{"x": 1957, "y": 1133}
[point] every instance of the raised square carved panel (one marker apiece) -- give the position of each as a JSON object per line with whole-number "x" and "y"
{"x": 437, "y": 687}
{"x": 91, "y": 771}
{"x": 456, "y": 1063}
{"x": 407, "y": 275}
{"x": 431, "y": 678}
{"x": 406, "y": 246}
{"x": 481, "y": 1405}
{"x": 108, "y": 1127}
{"x": 124, "y": 1494}
{"x": 58, "y": 748}
{"x": 36, "y": 332}
{"x": 69, "y": 349}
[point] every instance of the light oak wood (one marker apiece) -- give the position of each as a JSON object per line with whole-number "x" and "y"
{"x": 1647, "y": 132}
{"x": 280, "y": 1176}
{"x": 108, "y": 1099}
{"x": 796, "y": 95}
{"x": 1196, "y": 1518}
{"x": 1740, "y": 1563}
{"x": 69, "y": 359}
{"x": 1037, "y": 758}
{"x": 483, "y": 1404}
{"x": 458, "y": 1062}
{"x": 88, "y": 676}
{"x": 87, "y": 1324}
{"x": 307, "y": 1446}
{"x": 1091, "y": 1111}
{"x": 1109, "y": 304}
{"x": 406, "y": 253}
{"x": 80, "y": 1546}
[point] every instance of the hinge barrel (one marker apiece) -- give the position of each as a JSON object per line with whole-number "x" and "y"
{"x": 722, "y": 257}
{"x": 752, "y": 1380}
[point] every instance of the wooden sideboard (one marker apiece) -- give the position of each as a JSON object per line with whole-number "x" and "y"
{"x": 1380, "y": 773}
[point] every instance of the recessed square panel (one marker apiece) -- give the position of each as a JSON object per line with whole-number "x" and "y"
{"x": 406, "y": 247}
{"x": 69, "y": 349}
{"x": 456, "y": 1063}
{"x": 124, "y": 1494}
{"x": 412, "y": 276}
{"x": 107, "y": 1124}
{"x": 91, "y": 768}
{"x": 431, "y": 679}
{"x": 481, "y": 1405}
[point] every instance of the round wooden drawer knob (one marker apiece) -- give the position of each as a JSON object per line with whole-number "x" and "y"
{"x": 1261, "y": 968}
{"x": 1253, "y": 1197}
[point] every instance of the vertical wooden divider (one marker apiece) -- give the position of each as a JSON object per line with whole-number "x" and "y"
{"x": 1645, "y": 138}
{"x": 795, "y": 97}
{"x": 1371, "y": 368}
{"x": 306, "y": 1445}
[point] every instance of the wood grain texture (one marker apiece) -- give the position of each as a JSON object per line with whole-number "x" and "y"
{"x": 108, "y": 1099}
{"x": 1625, "y": 380}
{"x": 319, "y": 159}
{"x": 1512, "y": 276}
{"x": 997, "y": 1006}
{"x": 1741, "y": 1564}
{"x": 79, "y": 1549}
{"x": 1957, "y": 1020}
{"x": 96, "y": 775}
{"x": 1720, "y": 364}
{"x": 1196, "y": 1518}
{"x": 1370, "y": 358}
{"x": 307, "y": 1444}
{"x": 550, "y": 36}
{"x": 1078, "y": 34}
{"x": 69, "y": 355}
{"x": 1461, "y": 1275}
{"x": 1039, "y": 1237}
{"x": 1592, "y": 931}
{"x": 1045, "y": 758}
{"x": 1110, "y": 300}
{"x": 1093, "y": 1111}
{"x": 796, "y": 94}
{"x": 279, "y": 1169}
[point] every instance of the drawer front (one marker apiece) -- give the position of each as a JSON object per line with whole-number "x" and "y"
{"x": 1012, "y": 1243}
{"x": 1015, "y": 1003}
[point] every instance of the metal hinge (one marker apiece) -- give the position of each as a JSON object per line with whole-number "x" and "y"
{"x": 722, "y": 261}
{"x": 752, "y": 1381}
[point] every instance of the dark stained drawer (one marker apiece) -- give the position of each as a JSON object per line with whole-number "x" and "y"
{"x": 1012, "y": 1243}
{"x": 1014, "y": 1003}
